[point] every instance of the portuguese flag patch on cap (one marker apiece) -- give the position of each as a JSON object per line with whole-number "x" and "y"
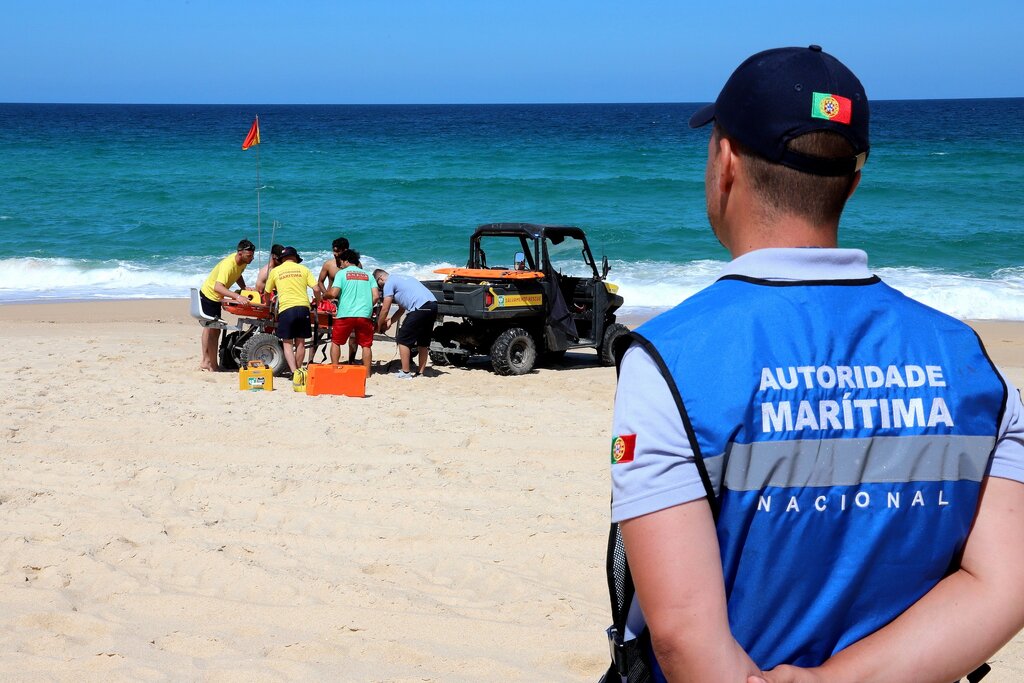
{"x": 831, "y": 107}
{"x": 622, "y": 448}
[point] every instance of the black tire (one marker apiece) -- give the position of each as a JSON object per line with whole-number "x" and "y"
{"x": 514, "y": 352}
{"x": 264, "y": 347}
{"x": 612, "y": 333}
{"x": 226, "y": 356}
{"x": 438, "y": 358}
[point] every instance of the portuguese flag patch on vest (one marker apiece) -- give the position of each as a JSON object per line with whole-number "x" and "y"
{"x": 831, "y": 107}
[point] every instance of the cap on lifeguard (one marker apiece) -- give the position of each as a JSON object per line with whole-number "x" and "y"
{"x": 777, "y": 95}
{"x": 289, "y": 252}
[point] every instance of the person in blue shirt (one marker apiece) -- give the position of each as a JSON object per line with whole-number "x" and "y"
{"x": 814, "y": 477}
{"x": 420, "y": 307}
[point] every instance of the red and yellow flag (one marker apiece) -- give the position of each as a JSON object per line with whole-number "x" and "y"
{"x": 253, "y": 137}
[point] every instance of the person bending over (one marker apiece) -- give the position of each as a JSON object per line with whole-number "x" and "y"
{"x": 356, "y": 294}
{"x": 215, "y": 289}
{"x": 410, "y": 295}
{"x": 273, "y": 262}
{"x": 291, "y": 280}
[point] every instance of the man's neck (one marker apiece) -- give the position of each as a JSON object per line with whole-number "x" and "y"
{"x": 781, "y": 232}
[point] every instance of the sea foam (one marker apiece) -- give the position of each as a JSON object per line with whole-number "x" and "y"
{"x": 646, "y": 286}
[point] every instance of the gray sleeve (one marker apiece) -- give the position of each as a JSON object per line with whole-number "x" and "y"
{"x": 662, "y": 473}
{"x": 1008, "y": 458}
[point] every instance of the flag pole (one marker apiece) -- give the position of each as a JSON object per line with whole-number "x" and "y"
{"x": 253, "y": 138}
{"x": 259, "y": 233}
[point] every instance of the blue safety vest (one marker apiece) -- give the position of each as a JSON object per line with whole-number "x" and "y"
{"x": 842, "y": 431}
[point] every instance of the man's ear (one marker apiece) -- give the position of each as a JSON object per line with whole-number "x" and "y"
{"x": 854, "y": 184}
{"x": 726, "y": 160}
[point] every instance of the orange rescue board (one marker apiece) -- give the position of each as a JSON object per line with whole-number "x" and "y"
{"x": 490, "y": 273}
{"x": 246, "y": 310}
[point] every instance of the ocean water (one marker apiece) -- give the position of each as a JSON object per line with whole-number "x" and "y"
{"x": 117, "y": 201}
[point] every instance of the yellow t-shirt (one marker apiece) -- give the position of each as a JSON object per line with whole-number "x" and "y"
{"x": 290, "y": 279}
{"x": 226, "y": 272}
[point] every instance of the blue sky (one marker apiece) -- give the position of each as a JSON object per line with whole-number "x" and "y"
{"x": 403, "y": 51}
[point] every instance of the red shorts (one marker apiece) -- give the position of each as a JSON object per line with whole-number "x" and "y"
{"x": 343, "y": 327}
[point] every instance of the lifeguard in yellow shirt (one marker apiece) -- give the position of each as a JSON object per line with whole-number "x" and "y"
{"x": 216, "y": 288}
{"x": 291, "y": 280}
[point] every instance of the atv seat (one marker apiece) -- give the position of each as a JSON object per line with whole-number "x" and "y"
{"x": 196, "y": 311}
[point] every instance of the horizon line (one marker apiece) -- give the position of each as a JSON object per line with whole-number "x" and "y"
{"x": 453, "y": 104}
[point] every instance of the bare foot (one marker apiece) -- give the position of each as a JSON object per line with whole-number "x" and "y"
{"x": 207, "y": 368}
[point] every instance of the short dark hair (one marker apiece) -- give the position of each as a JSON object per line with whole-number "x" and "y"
{"x": 378, "y": 272}
{"x": 350, "y": 255}
{"x": 246, "y": 245}
{"x": 341, "y": 244}
{"x": 276, "y": 249}
{"x": 818, "y": 199}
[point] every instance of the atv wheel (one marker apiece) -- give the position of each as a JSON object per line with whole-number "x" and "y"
{"x": 513, "y": 352}
{"x": 612, "y": 334}
{"x": 226, "y": 356}
{"x": 264, "y": 347}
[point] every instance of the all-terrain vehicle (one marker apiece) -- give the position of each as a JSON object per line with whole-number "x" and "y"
{"x": 539, "y": 296}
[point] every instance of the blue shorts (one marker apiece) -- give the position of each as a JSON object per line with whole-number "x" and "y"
{"x": 294, "y": 323}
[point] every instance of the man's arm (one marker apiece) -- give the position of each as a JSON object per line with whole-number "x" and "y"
{"x": 382, "y": 317}
{"x": 228, "y": 294}
{"x": 325, "y": 273}
{"x": 677, "y": 570}
{"x": 375, "y": 295}
{"x": 958, "y": 624}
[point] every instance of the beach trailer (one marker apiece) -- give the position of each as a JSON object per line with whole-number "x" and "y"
{"x": 251, "y": 337}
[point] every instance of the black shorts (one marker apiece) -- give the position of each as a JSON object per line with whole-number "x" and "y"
{"x": 210, "y": 307}
{"x": 294, "y": 323}
{"x": 417, "y": 326}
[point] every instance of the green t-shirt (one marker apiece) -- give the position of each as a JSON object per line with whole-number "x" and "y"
{"x": 356, "y": 298}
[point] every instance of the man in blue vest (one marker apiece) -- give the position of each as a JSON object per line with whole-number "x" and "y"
{"x": 814, "y": 477}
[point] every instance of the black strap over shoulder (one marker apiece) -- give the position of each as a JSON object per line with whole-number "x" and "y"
{"x": 629, "y": 658}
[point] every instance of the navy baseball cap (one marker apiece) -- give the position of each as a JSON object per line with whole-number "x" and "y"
{"x": 289, "y": 252}
{"x": 777, "y": 95}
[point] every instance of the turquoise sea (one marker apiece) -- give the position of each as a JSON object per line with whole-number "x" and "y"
{"x": 126, "y": 201}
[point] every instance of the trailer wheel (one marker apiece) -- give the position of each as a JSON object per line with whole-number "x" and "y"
{"x": 513, "y": 352}
{"x": 264, "y": 347}
{"x": 226, "y": 357}
{"x": 611, "y": 334}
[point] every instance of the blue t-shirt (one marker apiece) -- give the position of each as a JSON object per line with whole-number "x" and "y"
{"x": 408, "y": 292}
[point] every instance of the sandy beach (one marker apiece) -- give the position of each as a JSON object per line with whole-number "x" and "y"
{"x": 156, "y": 523}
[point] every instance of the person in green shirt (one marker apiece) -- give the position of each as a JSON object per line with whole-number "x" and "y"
{"x": 357, "y": 294}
